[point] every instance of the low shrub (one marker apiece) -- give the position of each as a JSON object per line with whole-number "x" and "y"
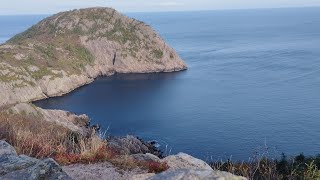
{"x": 262, "y": 167}
{"x": 157, "y": 167}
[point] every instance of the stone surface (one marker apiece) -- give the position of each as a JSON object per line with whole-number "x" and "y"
{"x": 142, "y": 176}
{"x": 128, "y": 145}
{"x": 14, "y": 167}
{"x": 193, "y": 174}
{"x": 99, "y": 171}
{"x": 146, "y": 157}
{"x": 76, "y": 123}
{"x": 185, "y": 161}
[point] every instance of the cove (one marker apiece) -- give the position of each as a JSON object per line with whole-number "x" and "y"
{"x": 253, "y": 81}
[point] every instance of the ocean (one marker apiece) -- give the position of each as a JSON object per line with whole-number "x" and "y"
{"x": 253, "y": 85}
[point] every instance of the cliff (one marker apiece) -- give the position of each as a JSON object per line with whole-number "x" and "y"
{"x": 70, "y": 49}
{"x": 64, "y": 52}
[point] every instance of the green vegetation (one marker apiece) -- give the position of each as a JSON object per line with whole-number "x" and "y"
{"x": 81, "y": 53}
{"x": 7, "y": 78}
{"x": 157, "y": 53}
{"x": 299, "y": 168}
{"x": 54, "y": 43}
{"x": 47, "y": 50}
{"x": 29, "y": 33}
{"x": 41, "y": 73}
{"x": 31, "y": 135}
{"x": 6, "y": 56}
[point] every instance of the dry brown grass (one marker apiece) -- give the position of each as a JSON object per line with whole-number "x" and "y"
{"x": 32, "y": 136}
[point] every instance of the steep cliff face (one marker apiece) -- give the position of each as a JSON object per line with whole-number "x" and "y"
{"x": 70, "y": 49}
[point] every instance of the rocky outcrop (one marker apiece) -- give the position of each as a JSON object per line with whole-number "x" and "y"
{"x": 76, "y": 123}
{"x": 99, "y": 171}
{"x": 131, "y": 145}
{"x": 14, "y": 167}
{"x": 185, "y": 167}
{"x": 185, "y": 161}
{"x": 70, "y": 49}
{"x": 194, "y": 174}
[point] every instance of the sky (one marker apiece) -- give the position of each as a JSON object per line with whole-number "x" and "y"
{"x": 13, "y": 7}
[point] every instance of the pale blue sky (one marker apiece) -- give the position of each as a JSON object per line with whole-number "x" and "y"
{"x": 53, "y": 6}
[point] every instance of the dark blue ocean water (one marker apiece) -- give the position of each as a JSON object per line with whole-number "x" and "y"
{"x": 253, "y": 80}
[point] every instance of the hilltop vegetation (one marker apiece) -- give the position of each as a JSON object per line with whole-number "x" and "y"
{"x": 70, "y": 49}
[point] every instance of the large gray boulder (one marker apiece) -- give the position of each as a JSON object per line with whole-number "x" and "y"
{"x": 185, "y": 161}
{"x": 185, "y": 167}
{"x": 23, "y": 167}
{"x": 193, "y": 174}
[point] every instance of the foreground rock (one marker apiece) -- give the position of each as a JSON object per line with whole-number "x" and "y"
{"x": 76, "y": 123}
{"x": 99, "y": 171}
{"x": 132, "y": 145}
{"x": 70, "y": 49}
{"x": 185, "y": 161}
{"x": 185, "y": 167}
{"x": 194, "y": 174}
{"x": 23, "y": 167}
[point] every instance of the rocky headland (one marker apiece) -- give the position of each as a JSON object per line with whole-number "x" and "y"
{"x": 71, "y": 49}
{"x": 57, "y": 55}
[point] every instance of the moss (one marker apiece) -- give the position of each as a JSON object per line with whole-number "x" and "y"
{"x": 7, "y": 78}
{"x": 83, "y": 54}
{"x": 44, "y": 71}
{"x": 157, "y": 54}
{"x": 47, "y": 50}
{"x": 6, "y": 56}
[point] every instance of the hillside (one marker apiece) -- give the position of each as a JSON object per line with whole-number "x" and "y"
{"x": 70, "y": 49}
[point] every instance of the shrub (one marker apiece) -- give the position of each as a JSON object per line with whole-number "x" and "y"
{"x": 35, "y": 137}
{"x": 157, "y": 167}
{"x": 299, "y": 167}
{"x": 157, "y": 54}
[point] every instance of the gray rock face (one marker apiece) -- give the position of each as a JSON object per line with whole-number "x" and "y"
{"x": 131, "y": 145}
{"x": 194, "y": 174}
{"x": 185, "y": 167}
{"x": 22, "y": 167}
{"x": 146, "y": 157}
{"x": 76, "y": 123}
{"x": 185, "y": 161}
{"x": 99, "y": 171}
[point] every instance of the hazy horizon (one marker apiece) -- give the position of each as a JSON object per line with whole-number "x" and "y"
{"x": 37, "y": 7}
{"x": 125, "y": 12}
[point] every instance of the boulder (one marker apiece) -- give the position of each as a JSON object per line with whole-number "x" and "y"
{"x": 185, "y": 161}
{"x": 23, "y": 167}
{"x": 131, "y": 145}
{"x": 146, "y": 157}
{"x": 193, "y": 174}
{"x": 142, "y": 176}
{"x": 76, "y": 123}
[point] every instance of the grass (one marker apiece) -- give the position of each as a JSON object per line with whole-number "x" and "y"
{"x": 29, "y": 134}
{"x": 261, "y": 167}
{"x": 29, "y": 33}
{"x": 33, "y": 136}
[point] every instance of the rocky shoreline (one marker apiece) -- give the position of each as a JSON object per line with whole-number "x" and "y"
{"x": 58, "y": 55}
{"x": 182, "y": 166}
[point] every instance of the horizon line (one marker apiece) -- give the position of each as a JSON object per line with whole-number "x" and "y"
{"x": 200, "y": 10}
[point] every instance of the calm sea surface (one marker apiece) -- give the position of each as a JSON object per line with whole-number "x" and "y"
{"x": 253, "y": 80}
